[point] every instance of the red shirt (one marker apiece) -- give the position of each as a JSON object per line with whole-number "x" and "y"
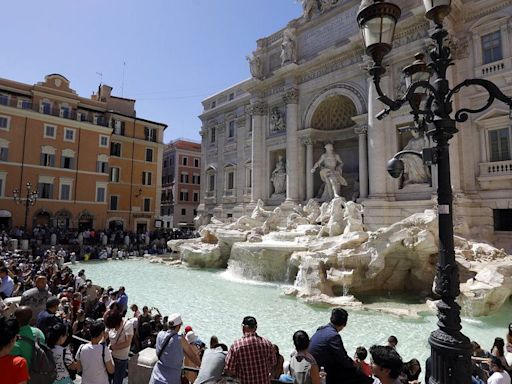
{"x": 364, "y": 367}
{"x": 14, "y": 369}
{"x": 251, "y": 359}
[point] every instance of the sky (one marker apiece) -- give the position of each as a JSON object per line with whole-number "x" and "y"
{"x": 173, "y": 53}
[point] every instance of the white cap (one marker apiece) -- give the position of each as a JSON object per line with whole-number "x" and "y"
{"x": 191, "y": 337}
{"x": 175, "y": 319}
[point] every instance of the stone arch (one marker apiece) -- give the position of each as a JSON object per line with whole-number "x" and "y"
{"x": 42, "y": 217}
{"x": 335, "y": 112}
{"x": 63, "y": 219}
{"x": 349, "y": 91}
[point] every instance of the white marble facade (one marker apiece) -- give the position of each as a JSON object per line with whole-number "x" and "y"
{"x": 309, "y": 88}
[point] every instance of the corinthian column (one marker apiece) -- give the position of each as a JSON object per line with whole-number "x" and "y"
{"x": 291, "y": 98}
{"x": 308, "y": 142}
{"x": 363, "y": 161}
{"x": 259, "y": 110}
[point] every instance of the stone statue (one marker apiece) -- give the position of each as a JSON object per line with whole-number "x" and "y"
{"x": 331, "y": 173}
{"x": 277, "y": 122}
{"x": 255, "y": 65}
{"x": 308, "y": 8}
{"x": 288, "y": 49}
{"x": 278, "y": 177}
{"x": 415, "y": 171}
{"x": 353, "y": 217}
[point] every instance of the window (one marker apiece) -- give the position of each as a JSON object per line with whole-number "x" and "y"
{"x": 67, "y": 162}
{"x": 64, "y": 111}
{"x": 102, "y": 165}
{"x": 213, "y": 104}
{"x": 149, "y": 154}
{"x": 499, "y": 144}
{"x": 24, "y": 104}
{"x": 4, "y": 99}
{"x": 491, "y": 47}
{"x": 195, "y": 179}
{"x": 502, "y": 219}
{"x": 103, "y": 141}
{"x": 45, "y": 107}
{"x": 81, "y": 116}
{"x": 115, "y": 149}
{"x": 183, "y": 211}
{"x": 196, "y": 196}
{"x": 231, "y": 96}
{"x": 184, "y": 178}
{"x": 3, "y": 177}
{"x": 147, "y": 205}
{"x": 4, "y": 153}
{"x": 118, "y": 126}
{"x": 100, "y": 194}
{"x": 50, "y": 131}
{"x": 212, "y": 135}
{"x": 195, "y": 212}
{"x": 114, "y": 201}
{"x": 211, "y": 182}
{"x": 183, "y": 195}
{"x": 231, "y": 129}
{"x": 5, "y": 122}
{"x": 231, "y": 180}
{"x": 114, "y": 174}
{"x": 65, "y": 191}
{"x": 196, "y": 163}
{"x": 150, "y": 134}
{"x": 69, "y": 134}
{"x": 185, "y": 160}
{"x": 47, "y": 160}
{"x": 45, "y": 190}
{"x": 146, "y": 178}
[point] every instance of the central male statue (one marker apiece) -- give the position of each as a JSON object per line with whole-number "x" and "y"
{"x": 331, "y": 173}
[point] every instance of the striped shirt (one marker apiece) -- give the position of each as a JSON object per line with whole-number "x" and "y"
{"x": 251, "y": 359}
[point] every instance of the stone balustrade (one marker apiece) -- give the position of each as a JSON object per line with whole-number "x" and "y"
{"x": 497, "y": 168}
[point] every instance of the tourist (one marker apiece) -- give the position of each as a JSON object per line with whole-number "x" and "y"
{"x": 80, "y": 280}
{"x": 277, "y": 370}
{"x": 327, "y": 348}
{"x": 48, "y": 318}
{"x": 303, "y": 367}
{"x": 120, "y": 334}
{"x": 360, "y": 363}
{"x": 13, "y": 368}
{"x": 7, "y": 284}
{"x": 212, "y": 364}
{"x": 499, "y": 376}
{"x": 171, "y": 347}
{"x": 498, "y": 350}
{"x": 252, "y": 357}
{"x": 386, "y": 364}
{"x": 214, "y": 341}
{"x": 64, "y": 362}
{"x": 122, "y": 300}
{"x": 36, "y": 297}
{"x": 508, "y": 346}
{"x": 191, "y": 339}
{"x": 392, "y": 342}
{"x": 411, "y": 372}
{"x": 93, "y": 358}
{"x": 24, "y": 345}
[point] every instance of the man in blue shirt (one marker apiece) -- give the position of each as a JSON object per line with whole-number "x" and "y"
{"x": 7, "y": 283}
{"x": 327, "y": 348}
{"x": 122, "y": 300}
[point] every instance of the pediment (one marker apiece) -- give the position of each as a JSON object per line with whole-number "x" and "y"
{"x": 492, "y": 116}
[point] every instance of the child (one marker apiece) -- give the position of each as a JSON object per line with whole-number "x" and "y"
{"x": 363, "y": 366}
{"x": 63, "y": 358}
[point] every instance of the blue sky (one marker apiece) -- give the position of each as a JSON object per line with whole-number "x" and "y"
{"x": 176, "y": 52}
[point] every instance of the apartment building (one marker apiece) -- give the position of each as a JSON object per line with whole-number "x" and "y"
{"x": 181, "y": 180}
{"x": 93, "y": 161}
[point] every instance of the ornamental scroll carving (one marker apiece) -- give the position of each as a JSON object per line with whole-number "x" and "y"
{"x": 291, "y": 96}
{"x": 259, "y": 108}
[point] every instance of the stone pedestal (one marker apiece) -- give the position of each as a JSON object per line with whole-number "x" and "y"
{"x": 141, "y": 365}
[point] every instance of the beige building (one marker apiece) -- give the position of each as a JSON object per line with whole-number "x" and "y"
{"x": 93, "y": 162}
{"x": 309, "y": 88}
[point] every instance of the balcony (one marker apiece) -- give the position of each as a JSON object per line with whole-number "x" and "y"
{"x": 491, "y": 69}
{"x": 496, "y": 174}
{"x": 54, "y": 111}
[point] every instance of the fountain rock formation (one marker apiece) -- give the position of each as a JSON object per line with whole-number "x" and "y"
{"x": 329, "y": 257}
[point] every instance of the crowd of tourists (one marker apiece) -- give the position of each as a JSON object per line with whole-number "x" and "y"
{"x": 65, "y": 325}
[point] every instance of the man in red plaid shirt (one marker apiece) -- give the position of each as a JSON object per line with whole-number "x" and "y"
{"x": 252, "y": 357}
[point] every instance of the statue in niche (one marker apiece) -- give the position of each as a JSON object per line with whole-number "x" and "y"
{"x": 278, "y": 177}
{"x": 415, "y": 171}
{"x": 308, "y": 8}
{"x": 288, "y": 49}
{"x": 277, "y": 123}
{"x": 255, "y": 65}
{"x": 331, "y": 173}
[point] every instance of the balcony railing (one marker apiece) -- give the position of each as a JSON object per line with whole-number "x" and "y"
{"x": 491, "y": 68}
{"x": 497, "y": 168}
{"x": 54, "y": 111}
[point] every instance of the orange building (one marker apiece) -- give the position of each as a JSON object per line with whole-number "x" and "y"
{"x": 94, "y": 163}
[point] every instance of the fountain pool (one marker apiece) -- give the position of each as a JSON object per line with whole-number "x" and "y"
{"x": 214, "y": 303}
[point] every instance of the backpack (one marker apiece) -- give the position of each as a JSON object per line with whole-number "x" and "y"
{"x": 42, "y": 366}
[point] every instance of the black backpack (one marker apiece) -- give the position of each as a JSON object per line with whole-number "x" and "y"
{"x": 42, "y": 366}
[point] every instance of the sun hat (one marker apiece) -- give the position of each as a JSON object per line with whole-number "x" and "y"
{"x": 175, "y": 319}
{"x": 191, "y": 337}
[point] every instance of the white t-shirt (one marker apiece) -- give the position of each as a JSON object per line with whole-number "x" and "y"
{"x": 499, "y": 378}
{"x": 93, "y": 367}
{"x": 62, "y": 371}
{"x": 120, "y": 337}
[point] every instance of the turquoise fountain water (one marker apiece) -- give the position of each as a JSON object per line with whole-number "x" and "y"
{"x": 214, "y": 303}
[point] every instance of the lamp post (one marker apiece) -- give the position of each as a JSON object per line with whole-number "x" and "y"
{"x": 431, "y": 104}
{"x": 27, "y": 201}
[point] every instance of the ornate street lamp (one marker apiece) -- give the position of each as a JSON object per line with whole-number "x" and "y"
{"x": 29, "y": 200}
{"x": 450, "y": 349}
